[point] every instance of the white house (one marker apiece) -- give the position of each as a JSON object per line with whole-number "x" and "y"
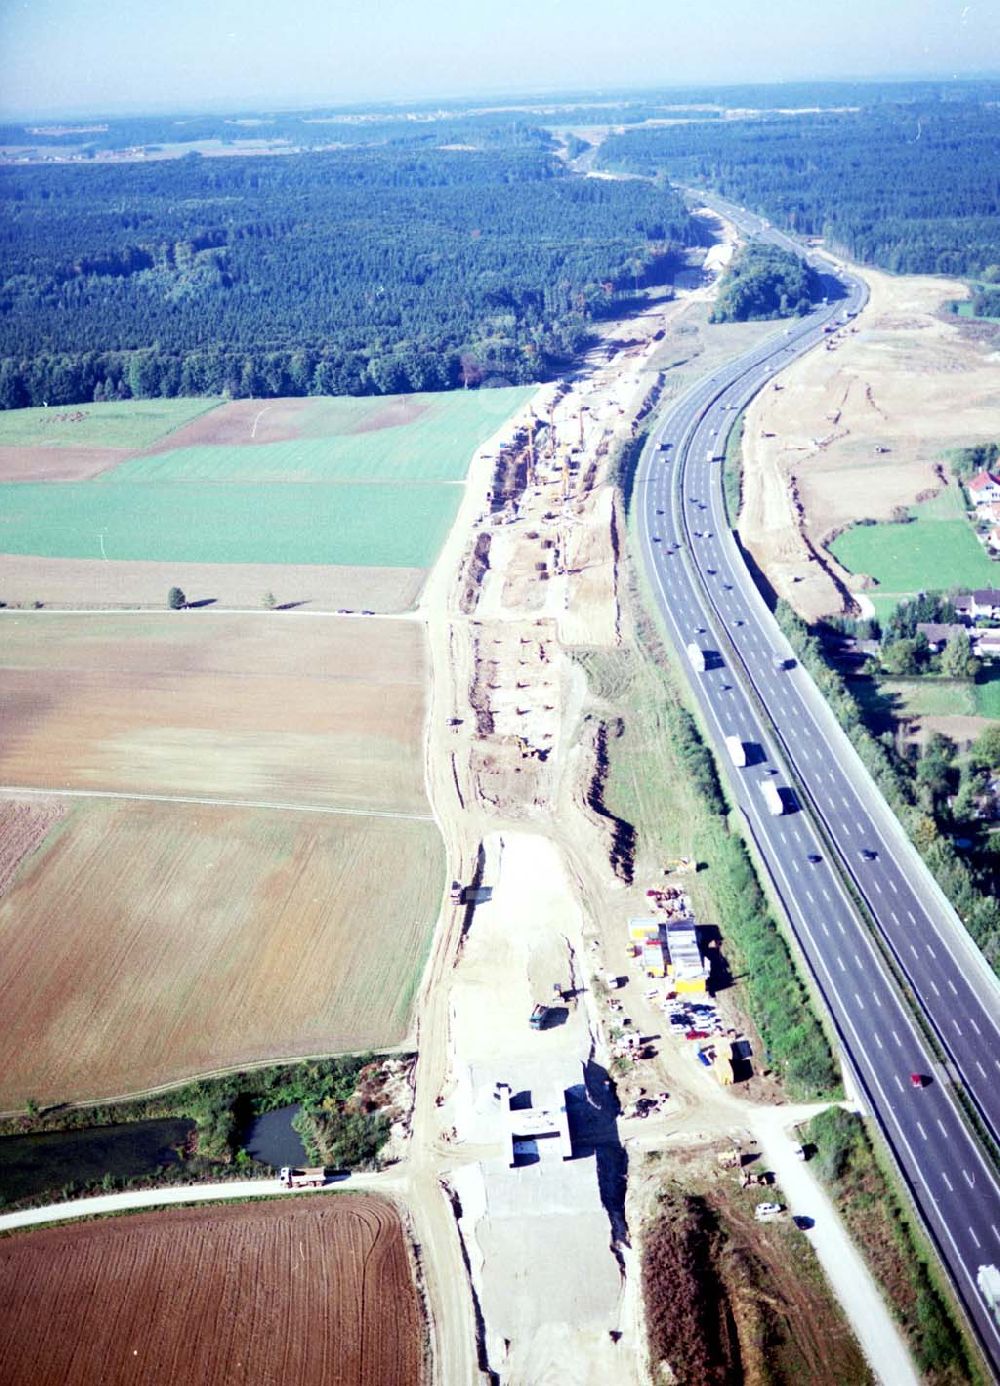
{"x": 983, "y": 489}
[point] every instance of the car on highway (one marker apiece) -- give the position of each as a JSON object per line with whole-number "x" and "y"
{"x": 814, "y": 858}
{"x": 919, "y": 1080}
{"x": 867, "y": 854}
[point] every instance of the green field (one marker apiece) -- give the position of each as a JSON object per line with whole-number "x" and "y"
{"x": 932, "y": 697}
{"x": 134, "y": 423}
{"x": 965, "y": 309}
{"x": 936, "y": 551}
{"x": 369, "y": 483}
{"x": 987, "y": 694}
{"x": 368, "y": 524}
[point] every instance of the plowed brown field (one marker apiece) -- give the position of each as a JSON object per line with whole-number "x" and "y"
{"x": 23, "y": 829}
{"x": 268, "y": 707}
{"x": 150, "y": 942}
{"x": 315, "y": 1292}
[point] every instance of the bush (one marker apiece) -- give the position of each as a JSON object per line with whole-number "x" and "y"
{"x": 176, "y": 599}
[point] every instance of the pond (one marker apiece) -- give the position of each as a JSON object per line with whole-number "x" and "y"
{"x": 45, "y": 1163}
{"x": 272, "y": 1141}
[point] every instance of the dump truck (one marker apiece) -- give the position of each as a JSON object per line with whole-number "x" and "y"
{"x": 290, "y": 1178}
{"x": 538, "y": 1017}
{"x": 772, "y": 797}
{"x": 737, "y": 750}
{"x": 697, "y": 657}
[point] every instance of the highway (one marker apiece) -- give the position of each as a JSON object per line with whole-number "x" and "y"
{"x": 836, "y": 827}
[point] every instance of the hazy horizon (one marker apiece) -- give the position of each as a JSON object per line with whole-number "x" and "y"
{"x": 63, "y": 58}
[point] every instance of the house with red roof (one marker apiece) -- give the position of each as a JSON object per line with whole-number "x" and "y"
{"x": 983, "y": 489}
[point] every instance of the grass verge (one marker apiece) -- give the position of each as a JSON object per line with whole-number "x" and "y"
{"x": 732, "y": 471}
{"x": 892, "y": 1244}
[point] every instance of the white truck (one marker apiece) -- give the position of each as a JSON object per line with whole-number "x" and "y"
{"x": 697, "y": 657}
{"x": 988, "y": 1280}
{"x": 772, "y": 797}
{"x": 291, "y": 1178}
{"x": 737, "y": 751}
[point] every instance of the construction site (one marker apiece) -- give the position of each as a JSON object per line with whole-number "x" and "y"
{"x": 578, "y": 1020}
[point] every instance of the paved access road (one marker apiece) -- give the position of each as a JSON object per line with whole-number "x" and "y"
{"x": 835, "y": 824}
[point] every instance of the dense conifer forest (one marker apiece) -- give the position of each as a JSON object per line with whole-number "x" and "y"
{"x": 363, "y": 270}
{"x": 911, "y": 187}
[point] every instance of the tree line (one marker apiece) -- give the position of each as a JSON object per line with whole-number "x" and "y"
{"x": 362, "y": 271}
{"x": 913, "y": 186}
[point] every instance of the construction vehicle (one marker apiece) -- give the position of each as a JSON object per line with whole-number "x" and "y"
{"x": 988, "y": 1280}
{"x": 773, "y": 797}
{"x": 538, "y": 1017}
{"x": 697, "y": 657}
{"x": 290, "y": 1178}
{"x": 737, "y": 751}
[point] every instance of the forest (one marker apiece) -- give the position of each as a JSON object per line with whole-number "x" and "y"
{"x": 452, "y": 122}
{"x": 358, "y": 271}
{"x": 911, "y": 187}
{"x": 763, "y": 281}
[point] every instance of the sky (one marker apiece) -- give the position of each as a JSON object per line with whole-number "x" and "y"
{"x": 89, "y": 57}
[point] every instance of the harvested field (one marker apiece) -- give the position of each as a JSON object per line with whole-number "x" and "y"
{"x": 92, "y": 582}
{"x": 23, "y": 829}
{"x": 269, "y": 707}
{"x": 315, "y": 1291}
{"x": 57, "y": 464}
{"x": 150, "y": 942}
